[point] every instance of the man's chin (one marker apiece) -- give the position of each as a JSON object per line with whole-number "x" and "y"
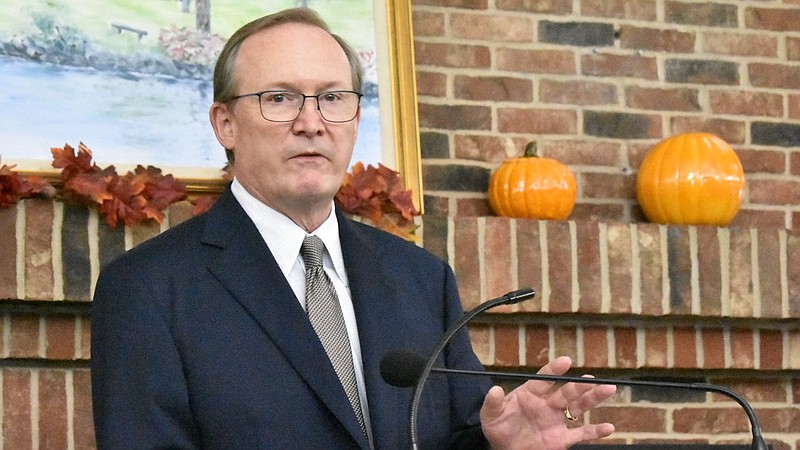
{"x": 316, "y": 193}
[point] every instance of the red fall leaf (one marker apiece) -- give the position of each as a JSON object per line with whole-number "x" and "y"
{"x": 14, "y": 186}
{"x": 72, "y": 163}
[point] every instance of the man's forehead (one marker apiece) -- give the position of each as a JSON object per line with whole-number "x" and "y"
{"x": 278, "y": 55}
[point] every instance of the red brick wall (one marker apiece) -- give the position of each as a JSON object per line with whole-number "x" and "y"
{"x": 701, "y": 304}
{"x": 596, "y": 83}
{"x": 50, "y": 255}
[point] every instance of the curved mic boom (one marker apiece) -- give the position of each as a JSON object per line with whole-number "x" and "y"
{"x": 508, "y": 299}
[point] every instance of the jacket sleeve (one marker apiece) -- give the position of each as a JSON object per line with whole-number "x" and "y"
{"x": 139, "y": 393}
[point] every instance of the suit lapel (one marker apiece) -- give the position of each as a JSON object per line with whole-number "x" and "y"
{"x": 248, "y": 271}
{"x": 374, "y": 300}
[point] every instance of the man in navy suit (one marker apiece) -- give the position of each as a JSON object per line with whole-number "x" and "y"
{"x": 200, "y": 337}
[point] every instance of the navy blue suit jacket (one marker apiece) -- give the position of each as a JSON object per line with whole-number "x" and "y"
{"x": 198, "y": 341}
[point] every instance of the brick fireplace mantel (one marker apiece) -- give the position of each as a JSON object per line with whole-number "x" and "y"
{"x": 712, "y": 304}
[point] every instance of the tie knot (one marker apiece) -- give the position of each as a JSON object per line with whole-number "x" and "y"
{"x": 311, "y": 251}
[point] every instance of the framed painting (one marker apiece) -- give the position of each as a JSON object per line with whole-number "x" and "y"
{"x": 132, "y": 81}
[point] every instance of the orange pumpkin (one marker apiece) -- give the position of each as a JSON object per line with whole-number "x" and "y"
{"x": 532, "y": 187}
{"x": 691, "y": 179}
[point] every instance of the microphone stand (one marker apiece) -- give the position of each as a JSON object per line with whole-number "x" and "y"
{"x": 508, "y": 299}
{"x": 522, "y": 295}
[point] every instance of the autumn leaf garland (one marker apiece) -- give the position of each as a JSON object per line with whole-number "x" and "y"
{"x": 131, "y": 198}
{"x": 374, "y": 193}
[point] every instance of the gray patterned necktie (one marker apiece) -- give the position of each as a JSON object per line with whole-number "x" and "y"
{"x": 325, "y": 314}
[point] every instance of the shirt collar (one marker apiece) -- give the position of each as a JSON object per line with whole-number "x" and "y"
{"x": 284, "y": 237}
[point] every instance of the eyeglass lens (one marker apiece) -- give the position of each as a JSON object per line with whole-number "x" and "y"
{"x": 285, "y": 106}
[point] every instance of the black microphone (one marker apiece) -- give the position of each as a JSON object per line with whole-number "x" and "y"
{"x": 406, "y": 368}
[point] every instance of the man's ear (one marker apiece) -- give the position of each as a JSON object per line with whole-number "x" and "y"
{"x": 222, "y": 122}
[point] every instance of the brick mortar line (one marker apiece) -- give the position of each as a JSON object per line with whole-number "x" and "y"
{"x": 634, "y": 320}
{"x": 724, "y": 242}
{"x": 34, "y": 404}
{"x": 70, "y": 394}
{"x": 755, "y": 272}
{"x": 545, "y": 269}
{"x": 727, "y": 345}
{"x": 20, "y": 239}
{"x": 613, "y": 347}
{"x": 42, "y": 348}
{"x": 641, "y": 347}
{"x": 665, "y": 285}
{"x": 605, "y": 284}
{"x": 700, "y": 356}
{"x": 57, "y": 259}
{"x": 635, "y": 271}
{"x": 514, "y": 266}
{"x": 6, "y": 337}
{"x": 129, "y": 244}
{"x": 43, "y": 364}
{"x": 78, "y": 339}
{"x": 481, "y": 237}
{"x": 92, "y": 225}
{"x": 757, "y": 349}
{"x": 694, "y": 264}
{"x": 783, "y": 243}
{"x": 670, "y": 362}
{"x": 573, "y": 254}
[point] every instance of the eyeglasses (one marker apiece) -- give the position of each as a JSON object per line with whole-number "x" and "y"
{"x": 286, "y": 106}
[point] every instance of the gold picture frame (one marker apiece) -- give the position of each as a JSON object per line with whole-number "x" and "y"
{"x": 399, "y": 128}
{"x": 405, "y": 115}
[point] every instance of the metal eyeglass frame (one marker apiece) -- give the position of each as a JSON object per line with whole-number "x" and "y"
{"x": 302, "y": 104}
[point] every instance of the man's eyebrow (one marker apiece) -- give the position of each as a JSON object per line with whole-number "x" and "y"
{"x": 326, "y": 87}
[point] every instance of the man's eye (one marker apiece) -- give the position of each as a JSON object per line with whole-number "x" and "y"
{"x": 276, "y": 98}
{"x": 330, "y": 97}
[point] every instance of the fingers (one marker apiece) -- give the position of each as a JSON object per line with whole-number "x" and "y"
{"x": 587, "y": 433}
{"x": 558, "y": 366}
{"x": 581, "y": 397}
{"x": 591, "y": 432}
{"x": 493, "y": 404}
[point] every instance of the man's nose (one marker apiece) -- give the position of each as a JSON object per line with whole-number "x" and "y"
{"x": 310, "y": 115}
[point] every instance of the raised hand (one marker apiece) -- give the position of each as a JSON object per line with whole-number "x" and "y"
{"x": 537, "y": 415}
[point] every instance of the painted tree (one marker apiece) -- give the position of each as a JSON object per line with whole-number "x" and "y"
{"x": 203, "y": 20}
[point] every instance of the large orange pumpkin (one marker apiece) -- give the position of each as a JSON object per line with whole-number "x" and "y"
{"x": 691, "y": 179}
{"x": 532, "y": 187}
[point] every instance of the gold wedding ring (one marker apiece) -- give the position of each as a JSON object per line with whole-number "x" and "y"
{"x": 569, "y": 415}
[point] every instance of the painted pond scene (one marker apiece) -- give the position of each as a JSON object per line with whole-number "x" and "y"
{"x": 132, "y": 79}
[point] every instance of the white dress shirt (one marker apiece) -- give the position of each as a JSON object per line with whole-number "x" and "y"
{"x": 284, "y": 238}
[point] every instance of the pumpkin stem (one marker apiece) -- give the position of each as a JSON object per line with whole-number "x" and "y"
{"x": 530, "y": 149}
